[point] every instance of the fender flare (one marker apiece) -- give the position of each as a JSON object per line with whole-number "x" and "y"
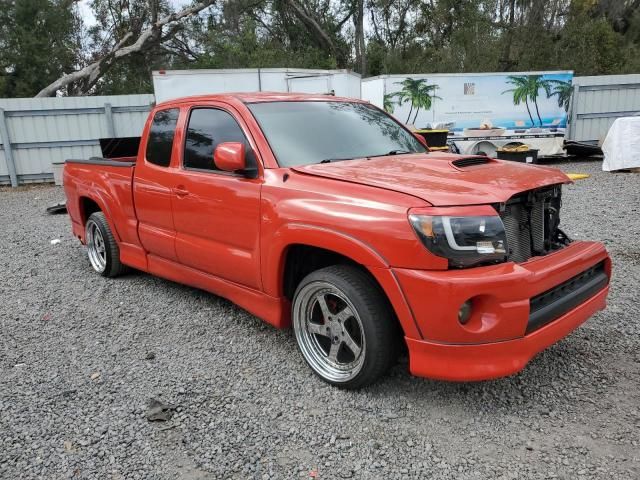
{"x": 275, "y": 250}
{"x": 96, "y": 196}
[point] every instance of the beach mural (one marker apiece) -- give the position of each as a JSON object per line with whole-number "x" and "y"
{"x": 482, "y": 104}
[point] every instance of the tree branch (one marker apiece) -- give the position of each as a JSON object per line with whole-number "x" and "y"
{"x": 148, "y": 38}
{"x": 322, "y": 37}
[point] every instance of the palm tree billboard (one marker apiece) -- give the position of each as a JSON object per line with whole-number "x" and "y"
{"x": 526, "y": 88}
{"x": 418, "y": 93}
{"x": 563, "y": 91}
{"x": 389, "y": 103}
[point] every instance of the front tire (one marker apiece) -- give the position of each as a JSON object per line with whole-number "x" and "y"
{"x": 102, "y": 248}
{"x": 344, "y": 326}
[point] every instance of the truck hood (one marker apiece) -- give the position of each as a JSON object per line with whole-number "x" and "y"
{"x": 441, "y": 179}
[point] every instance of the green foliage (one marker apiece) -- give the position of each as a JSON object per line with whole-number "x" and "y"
{"x": 39, "y": 41}
{"x": 595, "y": 47}
{"x": 245, "y": 49}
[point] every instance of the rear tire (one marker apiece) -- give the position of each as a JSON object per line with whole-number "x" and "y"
{"x": 102, "y": 248}
{"x": 344, "y": 326}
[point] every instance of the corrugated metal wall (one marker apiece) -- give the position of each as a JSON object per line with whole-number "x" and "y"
{"x": 598, "y": 101}
{"x": 43, "y": 131}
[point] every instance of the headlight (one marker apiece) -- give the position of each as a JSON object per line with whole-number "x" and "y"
{"x": 464, "y": 241}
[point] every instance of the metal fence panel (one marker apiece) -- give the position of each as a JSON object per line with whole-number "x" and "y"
{"x": 3, "y": 165}
{"x": 598, "y": 101}
{"x": 43, "y": 131}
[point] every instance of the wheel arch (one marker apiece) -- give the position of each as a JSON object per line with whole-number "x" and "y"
{"x": 282, "y": 275}
{"x": 290, "y": 239}
{"x": 87, "y": 205}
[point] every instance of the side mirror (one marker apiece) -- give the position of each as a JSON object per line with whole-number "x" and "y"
{"x": 230, "y": 156}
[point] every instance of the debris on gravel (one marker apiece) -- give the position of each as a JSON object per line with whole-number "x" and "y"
{"x": 158, "y": 411}
{"x": 247, "y": 407}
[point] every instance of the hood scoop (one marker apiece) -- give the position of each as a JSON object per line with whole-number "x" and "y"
{"x": 471, "y": 161}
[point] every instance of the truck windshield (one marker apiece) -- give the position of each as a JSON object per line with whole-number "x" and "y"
{"x": 306, "y": 132}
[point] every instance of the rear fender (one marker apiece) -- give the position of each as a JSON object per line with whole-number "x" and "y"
{"x": 97, "y": 197}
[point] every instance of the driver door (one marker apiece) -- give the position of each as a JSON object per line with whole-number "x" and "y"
{"x": 216, "y": 213}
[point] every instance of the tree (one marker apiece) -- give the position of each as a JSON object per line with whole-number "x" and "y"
{"x": 127, "y": 43}
{"x": 39, "y": 41}
{"x": 320, "y": 30}
{"x": 45, "y": 40}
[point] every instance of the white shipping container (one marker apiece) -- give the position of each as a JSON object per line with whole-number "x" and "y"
{"x": 170, "y": 84}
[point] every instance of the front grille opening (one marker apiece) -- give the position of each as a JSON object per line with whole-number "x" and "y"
{"x": 531, "y": 221}
{"x": 554, "y": 303}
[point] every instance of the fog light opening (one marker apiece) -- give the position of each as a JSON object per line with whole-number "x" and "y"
{"x": 464, "y": 314}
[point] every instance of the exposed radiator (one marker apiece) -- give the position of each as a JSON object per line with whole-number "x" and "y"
{"x": 528, "y": 220}
{"x": 517, "y": 228}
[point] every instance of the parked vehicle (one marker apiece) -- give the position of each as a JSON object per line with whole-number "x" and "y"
{"x": 328, "y": 215}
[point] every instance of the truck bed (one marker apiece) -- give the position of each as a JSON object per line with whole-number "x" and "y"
{"x": 102, "y": 184}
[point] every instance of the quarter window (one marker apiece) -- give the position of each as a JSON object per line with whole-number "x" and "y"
{"x": 207, "y": 128}
{"x": 161, "y": 133}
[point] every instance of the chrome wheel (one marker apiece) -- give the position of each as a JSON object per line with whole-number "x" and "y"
{"x": 96, "y": 247}
{"x": 329, "y": 332}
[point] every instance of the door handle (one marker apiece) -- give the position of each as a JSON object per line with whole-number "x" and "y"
{"x": 180, "y": 191}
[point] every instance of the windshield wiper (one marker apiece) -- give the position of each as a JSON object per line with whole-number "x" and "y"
{"x": 398, "y": 152}
{"x": 392, "y": 152}
{"x": 329, "y": 160}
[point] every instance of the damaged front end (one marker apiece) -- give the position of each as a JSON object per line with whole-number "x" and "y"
{"x": 531, "y": 221}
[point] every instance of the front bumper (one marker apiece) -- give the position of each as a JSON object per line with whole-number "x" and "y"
{"x": 498, "y": 339}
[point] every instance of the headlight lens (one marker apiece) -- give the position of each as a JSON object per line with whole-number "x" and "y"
{"x": 464, "y": 241}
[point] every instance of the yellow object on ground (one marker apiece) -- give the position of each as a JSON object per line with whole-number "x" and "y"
{"x": 515, "y": 148}
{"x": 577, "y": 176}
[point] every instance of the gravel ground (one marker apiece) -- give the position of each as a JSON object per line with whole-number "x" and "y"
{"x": 81, "y": 356}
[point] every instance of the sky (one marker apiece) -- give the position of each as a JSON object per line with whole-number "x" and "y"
{"x": 89, "y": 19}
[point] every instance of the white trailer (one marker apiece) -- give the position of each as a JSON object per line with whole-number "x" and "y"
{"x": 479, "y": 109}
{"x": 169, "y": 84}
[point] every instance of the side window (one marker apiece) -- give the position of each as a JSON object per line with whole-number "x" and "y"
{"x": 207, "y": 128}
{"x": 161, "y": 133}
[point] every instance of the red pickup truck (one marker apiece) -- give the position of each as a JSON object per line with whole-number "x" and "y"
{"x": 329, "y": 215}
